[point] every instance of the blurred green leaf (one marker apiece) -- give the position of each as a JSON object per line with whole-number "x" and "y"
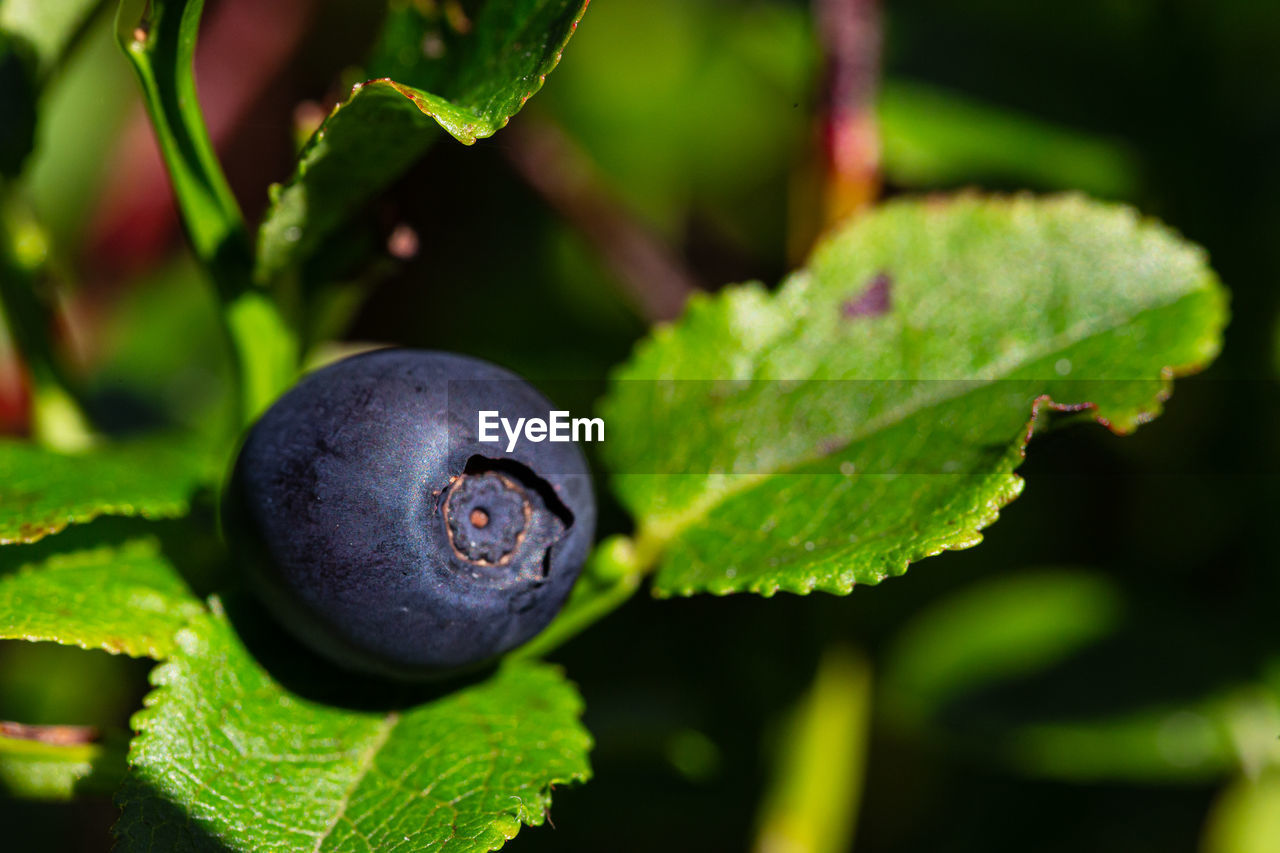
{"x": 813, "y": 802}
{"x": 705, "y": 115}
{"x": 1232, "y": 728}
{"x": 41, "y": 492}
{"x": 934, "y": 138}
{"x": 1174, "y": 741}
{"x": 161, "y": 358}
{"x": 52, "y": 684}
{"x": 1246, "y": 818}
{"x": 1002, "y": 632}
{"x": 992, "y": 631}
{"x": 49, "y": 26}
{"x": 34, "y": 34}
{"x": 467, "y": 67}
{"x": 124, "y": 599}
{"x": 35, "y": 770}
{"x": 81, "y": 116}
{"x": 873, "y": 411}
{"x": 222, "y": 744}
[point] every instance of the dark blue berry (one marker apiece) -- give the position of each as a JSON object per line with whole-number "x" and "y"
{"x": 384, "y": 535}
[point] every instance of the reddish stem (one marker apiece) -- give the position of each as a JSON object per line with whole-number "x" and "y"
{"x": 52, "y": 735}
{"x": 850, "y": 31}
{"x": 653, "y": 275}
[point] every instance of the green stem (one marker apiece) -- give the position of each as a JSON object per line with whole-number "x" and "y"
{"x": 813, "y": 804}
{"x": 611, "y": 577}
{"x": 616, "y": 569}
{"x": 160, "y": 38}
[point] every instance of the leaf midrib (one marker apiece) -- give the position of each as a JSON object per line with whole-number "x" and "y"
{"x": 385, "y": 727}
{"x": 660, "y": 532}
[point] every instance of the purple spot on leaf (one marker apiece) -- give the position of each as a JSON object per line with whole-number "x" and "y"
{"x": 872, "y": 301}
{"x": 832, "y": 444}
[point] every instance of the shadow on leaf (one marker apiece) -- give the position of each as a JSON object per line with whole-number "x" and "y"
{"x": 152, "y": 822}
{"x": 301, "y": 671}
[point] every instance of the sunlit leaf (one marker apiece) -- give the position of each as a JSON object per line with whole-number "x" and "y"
{"x": 872, "y": 412}
{"x": 228, "y": 758}
{"x": 467, "y": 68}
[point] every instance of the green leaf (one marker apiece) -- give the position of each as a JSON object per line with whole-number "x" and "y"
{"x": 34, "y": 36}
{"x": 873, "y": 411}
{"x": 952, "y": 678}
{"x": 816, "y": 791}
{"x": 996, "y": 632}
{"x": 710, "y": 126}
{"x": 41, "y": 492}
{"x": 1246, "y": 818}
{"x": 934, "y": 138}
{"x": 124, "y": 599}
{"x": 1179, "y": 740}
{"x": 36, "y": 770}
{"x": 49, "y": 26}
{"x": 82, "y": 114}
{"x": 226, "y": 756}
{"x": 993, "y": 631}
{"x": 467, "y": 71}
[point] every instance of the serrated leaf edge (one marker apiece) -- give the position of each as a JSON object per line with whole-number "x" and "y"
{"x": 133, "y": 647}
{"x": 1007, "y": 487}
{"x": 40, "y": 530}
{"x": 465, "y": 132}
{"x": 658, "y": 536}
{"x": 519, "y": 815}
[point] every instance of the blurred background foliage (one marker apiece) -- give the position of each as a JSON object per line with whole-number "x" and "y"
{"x": 1102, "y": 674}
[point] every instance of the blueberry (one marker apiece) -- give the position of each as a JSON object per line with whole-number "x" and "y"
{"x": 385, "y": 536}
